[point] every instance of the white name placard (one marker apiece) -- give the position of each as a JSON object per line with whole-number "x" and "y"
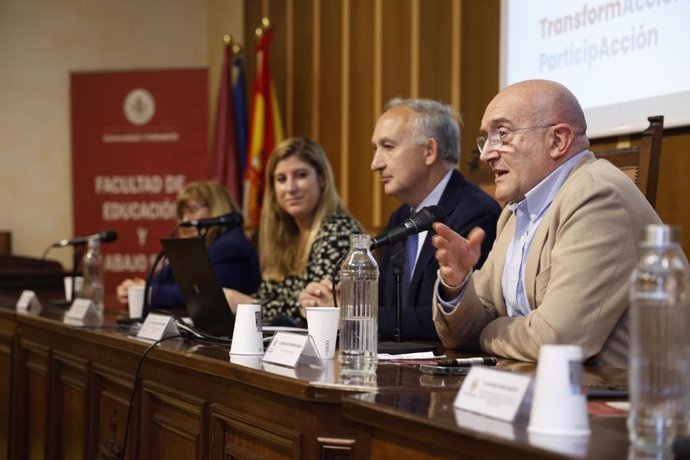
{"x": 288, "y": 349}
{"x": 82, "y": 311}
{"x": 28, "y": 302}
{"x": 492, "y": 393}
{"x": 157, "y": 327}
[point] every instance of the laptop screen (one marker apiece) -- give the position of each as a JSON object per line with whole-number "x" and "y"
{"x": 203, "y": 294}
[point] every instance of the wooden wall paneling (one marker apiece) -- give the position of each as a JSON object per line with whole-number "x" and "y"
{"x": 435, "y": 50}
{"x": 35, "y": 403}
{"x": 336, "y": 63}
{"x": 111, "y": 390}
{"x": 8, "y": 340}
{"x": 672, "y": 203}
{"x": 277, "y": 12}
{"x": 360, "y": 54}
{"x": 252, "y": 19}
{"x": 236, "y": 434}
{"x": 456, "y": 54}
{"x": 344, "y": 148}
{"x": 328, "y": 112}
{"x": 70, "y": 401}
{"x": 300, "y": 69}
{"x": 396, "y": 69}
{"x": 479, "y": 68}
{"x": 172, "y": 424}
{"x": 396, "y": 20}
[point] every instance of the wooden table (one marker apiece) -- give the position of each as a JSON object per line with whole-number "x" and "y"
{"x": 65, "y": 392}
{"x": 424, "y": 425}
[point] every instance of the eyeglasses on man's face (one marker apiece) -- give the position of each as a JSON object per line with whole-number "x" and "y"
{"x": 497, "y": 137}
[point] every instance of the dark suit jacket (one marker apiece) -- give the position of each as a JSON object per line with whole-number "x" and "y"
{"x": 466, "y": 206}
{"x": 235, "y": 263}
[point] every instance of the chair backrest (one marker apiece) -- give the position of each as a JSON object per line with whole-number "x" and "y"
{"x": 640, "y": 162}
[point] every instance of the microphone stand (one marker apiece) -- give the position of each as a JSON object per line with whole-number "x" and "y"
{"x": 398, "y": 346}
{"x": 397, "y": 265}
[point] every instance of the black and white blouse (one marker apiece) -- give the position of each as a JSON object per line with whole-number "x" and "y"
{"x": 280, "y": 298}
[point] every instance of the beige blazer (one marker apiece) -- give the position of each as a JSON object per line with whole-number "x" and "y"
{"x": 576, "y": 274}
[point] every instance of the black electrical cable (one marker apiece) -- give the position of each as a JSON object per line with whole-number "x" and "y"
{"x": 135, "y": 384}
{"x": 191, "y": 333}
{"x": 195, "y": 333}
{"x": 149, "y": 277}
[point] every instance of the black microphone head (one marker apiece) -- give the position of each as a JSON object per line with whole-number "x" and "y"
{"x": 233, "y": 219}
{"x": 437, "y": 212}
{"x": 426, "y": 217}
{"x": 107, "y": 236}
{"x": 420, "y": 222}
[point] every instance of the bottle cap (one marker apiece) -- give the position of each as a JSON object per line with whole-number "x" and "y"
{"x": 360, "y": 240}
{"x": 660, "y": 235}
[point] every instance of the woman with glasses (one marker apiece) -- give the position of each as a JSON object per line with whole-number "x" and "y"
{"x": 233, "y": 257}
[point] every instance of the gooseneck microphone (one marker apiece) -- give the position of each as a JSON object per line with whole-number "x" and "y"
{"x": 418, "y": 223}
{"x": 105, "y": 236}
{"x": 231, "y": 219}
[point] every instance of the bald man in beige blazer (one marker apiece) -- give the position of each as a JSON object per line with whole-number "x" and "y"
{"x": 563, "y": 279}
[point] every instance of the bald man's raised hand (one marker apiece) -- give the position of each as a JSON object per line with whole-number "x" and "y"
{"x": 456, "y": 255}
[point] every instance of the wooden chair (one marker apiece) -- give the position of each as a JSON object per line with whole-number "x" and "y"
{"x": 640, "y": 162}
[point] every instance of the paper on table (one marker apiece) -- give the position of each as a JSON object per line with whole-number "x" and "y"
{"x": 420, "y": 355}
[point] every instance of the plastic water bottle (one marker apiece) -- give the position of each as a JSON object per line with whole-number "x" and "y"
{"x": 93, "y": 275}
{"x": 660, "y": 344}
{"x": 359, "y": 294}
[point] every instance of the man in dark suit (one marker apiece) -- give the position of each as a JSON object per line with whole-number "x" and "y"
{"x": 416, "y": 146}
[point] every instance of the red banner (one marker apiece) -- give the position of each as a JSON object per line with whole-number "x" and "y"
{"x": 137, "y": 138}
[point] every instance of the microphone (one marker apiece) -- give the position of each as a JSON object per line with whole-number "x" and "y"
{"x": 105, "y": 236}
{"x": 231, "y": 219}
{"x": 418, "y": 223}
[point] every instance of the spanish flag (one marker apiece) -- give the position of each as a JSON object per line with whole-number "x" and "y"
{"x": 266, "y": 129}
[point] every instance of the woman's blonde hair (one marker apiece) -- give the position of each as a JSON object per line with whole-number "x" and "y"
{"x": 210, "y": 194}
{"x": 279, "y": 246}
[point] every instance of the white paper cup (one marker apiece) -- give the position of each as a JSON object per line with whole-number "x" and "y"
{"x": 559, "y": 404}
{"x": 253, "y": 361}
{"x": 135, "y": 301}
{"x": 78, "y": 286}
{"x": 572, "y": 446}
{"x": 247, "y": 337}
{"x": 322, "y": 323}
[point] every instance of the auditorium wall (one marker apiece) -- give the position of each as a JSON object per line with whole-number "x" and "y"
{"x": 41, "y": 42}
{"x": 336, "y": 62}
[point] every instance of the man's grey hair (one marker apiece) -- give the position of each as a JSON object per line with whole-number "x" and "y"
{"x": 436, "y": 120}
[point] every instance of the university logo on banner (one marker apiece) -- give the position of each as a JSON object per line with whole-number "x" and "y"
{"x": 137, "y": 138}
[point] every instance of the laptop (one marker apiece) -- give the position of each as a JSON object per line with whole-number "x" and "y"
{"x": 203, "y": 294}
